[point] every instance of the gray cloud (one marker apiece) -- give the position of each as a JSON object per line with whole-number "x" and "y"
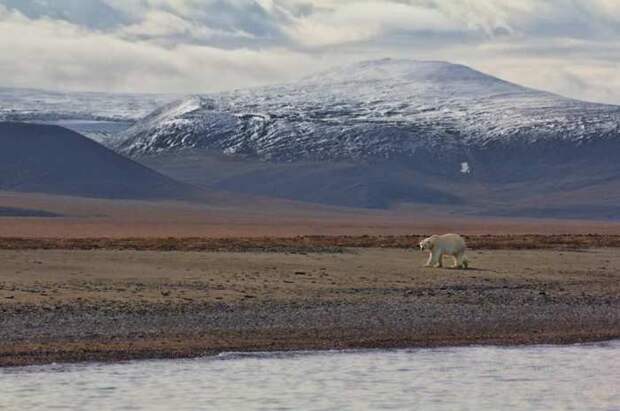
{"x": 95, "y": 14}
{"x": 565, "y": 46}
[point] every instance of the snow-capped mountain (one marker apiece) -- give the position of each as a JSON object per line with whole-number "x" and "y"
{"x": 380, "y": 133}
{"x": 17, "y": 104}
{"x": 374, "y": 110}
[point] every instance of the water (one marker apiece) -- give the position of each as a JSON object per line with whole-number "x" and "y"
{"x": 579, "y": 377}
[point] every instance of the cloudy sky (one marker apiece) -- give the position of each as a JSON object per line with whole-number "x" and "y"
{"x": 571, "y": 47}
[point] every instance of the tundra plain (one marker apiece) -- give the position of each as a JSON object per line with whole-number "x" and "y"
{"x": 110, "y": 300}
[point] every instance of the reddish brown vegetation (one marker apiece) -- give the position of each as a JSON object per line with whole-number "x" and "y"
{"x": 309, "y": 243}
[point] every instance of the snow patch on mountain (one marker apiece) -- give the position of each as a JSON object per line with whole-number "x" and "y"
{"x": 465, "y": 169}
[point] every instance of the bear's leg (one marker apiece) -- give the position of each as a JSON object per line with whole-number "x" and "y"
{"x": 429, "y": 262}
{"x": 432, "y": 259}
{"x": 457, "y": 260}
{"x": 438, "y": 261}
{"x": 463, "y": 261}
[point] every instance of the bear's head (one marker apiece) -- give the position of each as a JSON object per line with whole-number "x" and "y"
{"x": 428, "y": 243}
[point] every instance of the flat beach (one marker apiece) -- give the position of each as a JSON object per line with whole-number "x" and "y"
{"x": 119, "y": 299}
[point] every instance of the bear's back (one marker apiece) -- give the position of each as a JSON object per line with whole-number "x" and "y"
{"x": 451, "y": 243}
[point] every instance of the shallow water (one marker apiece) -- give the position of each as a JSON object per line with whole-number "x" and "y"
{"x": 578, "y": 377}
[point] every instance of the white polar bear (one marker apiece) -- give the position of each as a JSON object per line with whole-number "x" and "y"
{"x": 450, "y": 244}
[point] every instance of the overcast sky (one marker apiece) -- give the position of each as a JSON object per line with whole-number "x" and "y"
{"x": 571, "y": 47}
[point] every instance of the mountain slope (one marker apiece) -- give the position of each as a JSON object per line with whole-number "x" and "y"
{"x": 51, "y": 159}
{"x": 445, "y": 127}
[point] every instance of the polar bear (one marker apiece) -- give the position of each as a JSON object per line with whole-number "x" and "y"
{"x": 450, "y": 244}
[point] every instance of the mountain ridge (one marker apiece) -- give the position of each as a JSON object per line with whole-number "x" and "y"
{"x": 355, "y": 113}
{"x": 32, "y": 104}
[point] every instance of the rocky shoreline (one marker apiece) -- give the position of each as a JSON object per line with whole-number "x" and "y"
{"x": 119, "y": 336}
